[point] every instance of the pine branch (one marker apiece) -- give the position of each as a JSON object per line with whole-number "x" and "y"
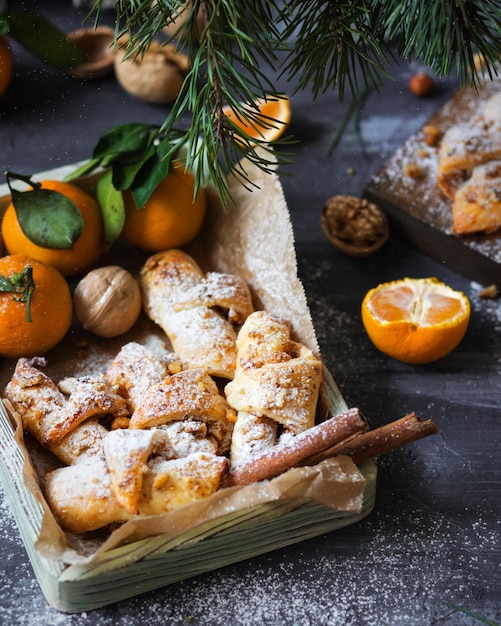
{"x": 318, "y": 44}
{"x": 335, "y": 44}
{"x": 445, "y": 35}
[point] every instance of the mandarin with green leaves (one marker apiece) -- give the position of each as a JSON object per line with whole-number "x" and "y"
{"x": 36, "y": 308}
{"x": 171, "y": 217}
{"x": 77, "y": 255}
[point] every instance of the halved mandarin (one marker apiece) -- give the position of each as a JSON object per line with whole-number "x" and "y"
{"x": 415, "y": 320}
{"x": 266, "y": 121}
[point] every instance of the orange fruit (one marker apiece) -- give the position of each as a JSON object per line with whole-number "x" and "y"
{"x": 31, "y": 326}
{"x": 85, "y": 251}
{"x": 5, "y": 65}
{"x": 415, "y": 320}
{"x": 266, "y": 123}
{"x": 170, "y": 218}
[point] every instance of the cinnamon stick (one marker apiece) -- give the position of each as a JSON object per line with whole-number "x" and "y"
{"x": 282, "y": 457}
{"x": 363, "y": 446}
{"x": 345, "y": 434}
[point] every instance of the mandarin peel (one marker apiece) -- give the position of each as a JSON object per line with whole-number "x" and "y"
{"x": 266, "y": 122}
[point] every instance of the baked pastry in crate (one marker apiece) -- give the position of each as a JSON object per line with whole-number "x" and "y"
{"x": 111, "y": 475}
{"x": 154, "y": 433}
{"x": 197, "y": 311}
{"x": 136, "y": 368}
{"x": 165, "y": 484}
{"x": 277, "y": 383}
{"x": 67, "y": 425}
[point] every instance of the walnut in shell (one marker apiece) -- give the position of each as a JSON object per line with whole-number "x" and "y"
{"x": 96, "y": 44}
{"x": 354, "y": 225}
{"x": 108, "y": 301}
{"x": 155, "y": 77}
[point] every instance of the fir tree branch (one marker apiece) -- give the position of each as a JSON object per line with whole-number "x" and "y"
{"x": 336, "y": 43}
{"x": 316, "y": 44}
{"x": 354, "y": 113}
{"x": 445, "y": 35}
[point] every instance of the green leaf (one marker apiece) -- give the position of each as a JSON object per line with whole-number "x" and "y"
{"x": 6, "y": 285}
{"x": 4, "y": 25}
{"x": 112, "y": 208}
{"x": 124, "y": 174}
{"x": 152, "y": 172}
{"x": 123, "y": 142}
{"x": 22, "y": 285}
{"x": 44, "y": 40}
{"x": 48, "y": 218}
{"x": 476, "y": 616}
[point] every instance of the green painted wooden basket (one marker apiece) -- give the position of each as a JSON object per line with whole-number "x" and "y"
{"x": 165, "y": 559}
{"x": 160, "y": 560}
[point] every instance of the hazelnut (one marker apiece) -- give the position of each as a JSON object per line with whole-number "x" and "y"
{"x": 421, "y": 85}
{"x": 432, "y": 135}
{"x": 490, "y": 292}
{"x": 108, "y": 301}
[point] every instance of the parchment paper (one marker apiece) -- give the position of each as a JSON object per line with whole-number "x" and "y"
{"x": 254, "y": 239}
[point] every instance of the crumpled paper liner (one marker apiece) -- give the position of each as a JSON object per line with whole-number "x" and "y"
{"x": 254, "y": 239}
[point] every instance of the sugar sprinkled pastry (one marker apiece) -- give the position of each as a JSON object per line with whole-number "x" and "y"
{"x": 198, "y": 312}
{"x": 469, "y": 170}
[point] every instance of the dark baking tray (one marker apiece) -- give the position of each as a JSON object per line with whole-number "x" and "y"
{"x": 419, "y": 213}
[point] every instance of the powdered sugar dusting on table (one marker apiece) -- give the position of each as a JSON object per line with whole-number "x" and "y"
{"x": 299, "y": 591}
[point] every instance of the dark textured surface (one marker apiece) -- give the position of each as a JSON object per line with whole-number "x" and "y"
{"x": 430, "y": 551}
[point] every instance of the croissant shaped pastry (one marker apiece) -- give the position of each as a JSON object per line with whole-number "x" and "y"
{"x": 136, "y": 368}
{"x": 276, "y": 385}
{"x": 197, "y": 312}
{"x": 469, "y": 170}
{"x": 66, "y": 425}
{"x": 188, "y": 395}
{"x": 466, "y": 145}
{"x": 476, "y": 207}
{"x": 158, "y": 485}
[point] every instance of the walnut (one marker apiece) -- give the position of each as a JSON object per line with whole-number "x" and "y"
{"x": 355, "y": 225}
{"x": 96, "y": 45}
{"x": 155, "y": 77}
{"x": 108, "y": 301}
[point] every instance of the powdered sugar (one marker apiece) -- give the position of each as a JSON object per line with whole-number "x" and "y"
{"x": 316, "y": 583}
